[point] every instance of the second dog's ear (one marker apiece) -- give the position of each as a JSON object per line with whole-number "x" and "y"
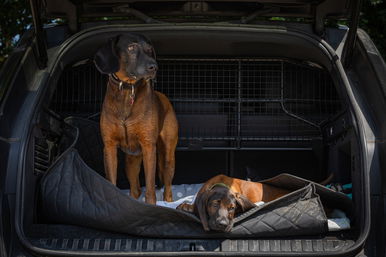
{"x": 106, "y": 58}
{"x": 200, "y": 205}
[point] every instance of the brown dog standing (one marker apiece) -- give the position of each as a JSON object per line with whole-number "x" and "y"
{"x": 135, "y": 118}
{"x": 221, "y": 197}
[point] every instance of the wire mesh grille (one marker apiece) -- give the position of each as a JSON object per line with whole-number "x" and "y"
{"x": 230, "y": 103}
{"x": 80, "y": 91}
{"x": 203, "y": 81}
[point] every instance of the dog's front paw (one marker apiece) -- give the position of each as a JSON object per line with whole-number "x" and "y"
{"x": 168, "y": 196}
{"x": 185, "y": 207}
{"x": 135, "y": 193}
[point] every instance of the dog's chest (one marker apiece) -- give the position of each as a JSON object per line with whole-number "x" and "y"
{"x": 129, "y": 142}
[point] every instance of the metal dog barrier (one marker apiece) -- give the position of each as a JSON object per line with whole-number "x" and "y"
{"x": 223, "y": 103}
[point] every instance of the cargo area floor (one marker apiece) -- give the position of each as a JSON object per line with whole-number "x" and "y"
{"x": 74, "y": 238}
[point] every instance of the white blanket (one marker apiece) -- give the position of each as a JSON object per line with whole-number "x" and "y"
{"x": 181, "y": 193}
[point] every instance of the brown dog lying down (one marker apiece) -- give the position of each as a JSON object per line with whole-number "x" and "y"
{"x": 221, "y": 197}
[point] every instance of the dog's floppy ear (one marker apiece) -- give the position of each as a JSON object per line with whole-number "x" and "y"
{"x": 106, "y": 58}
{"x": 200, "y": 205}
{"x": 243, "y": 203}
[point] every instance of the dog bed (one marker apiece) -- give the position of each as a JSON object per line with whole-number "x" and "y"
{"x": 73, "y": 193}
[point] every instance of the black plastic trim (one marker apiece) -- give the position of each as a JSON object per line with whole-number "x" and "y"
{"x": 40, "y": 40}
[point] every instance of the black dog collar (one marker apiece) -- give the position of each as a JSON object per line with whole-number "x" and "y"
{"x": 124, "y": 85}
{"x": 121, "y": 84}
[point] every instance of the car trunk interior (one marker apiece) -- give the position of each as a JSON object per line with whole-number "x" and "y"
{"x": 249, "y": 105}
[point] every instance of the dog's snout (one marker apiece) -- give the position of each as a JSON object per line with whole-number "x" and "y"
{"x": 222, "y": 222}
{"x": 152, "y": 67}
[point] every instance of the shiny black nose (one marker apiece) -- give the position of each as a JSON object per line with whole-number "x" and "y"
{"x": 152, "y": 67}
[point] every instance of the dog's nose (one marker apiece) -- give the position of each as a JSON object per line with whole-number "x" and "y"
{"x": 152, "y": 67}
{"x": 222, "y": 222}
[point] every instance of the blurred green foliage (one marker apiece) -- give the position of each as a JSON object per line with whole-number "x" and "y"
{"x": 15, "y": 18}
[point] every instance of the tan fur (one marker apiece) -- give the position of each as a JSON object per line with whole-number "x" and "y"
{"x": 151, "y": 130}
{"x": 253, "y": 191}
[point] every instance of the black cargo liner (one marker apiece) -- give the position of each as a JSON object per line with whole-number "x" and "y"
{"x": 56, "y": 237}
{"x": 72, "y": 193}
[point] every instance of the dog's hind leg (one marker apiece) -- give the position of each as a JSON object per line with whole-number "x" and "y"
{"x": 133, "y": 167}
{"x": 168, "y": 174}
{"x": 166, "y": 146}
{"x": 160, "y": 162}
{"x": 166, "y": 166}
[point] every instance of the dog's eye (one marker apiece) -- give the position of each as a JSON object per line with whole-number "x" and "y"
{"x": 231, "y": 208}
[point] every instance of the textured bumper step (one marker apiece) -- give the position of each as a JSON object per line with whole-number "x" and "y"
{"x": 175, "y": 245}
